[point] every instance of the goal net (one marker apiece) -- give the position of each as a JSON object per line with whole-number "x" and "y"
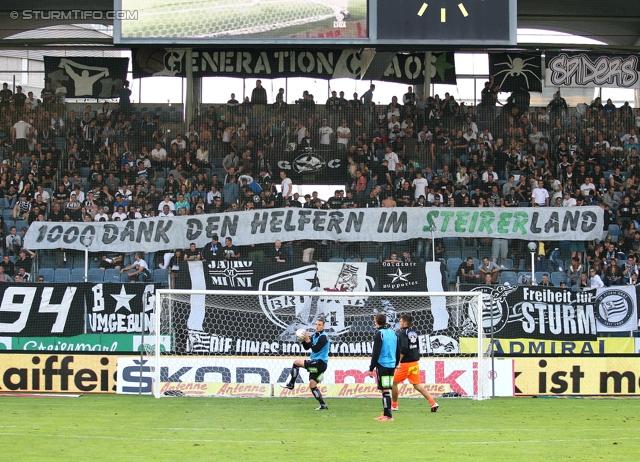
{"x": 227, "y": 18}
{"x": 242, "y": 343}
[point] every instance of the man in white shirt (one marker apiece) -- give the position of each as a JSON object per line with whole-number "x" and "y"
{"x": 159, "y": 155}
{"x": 32, "y": 102}
{"x": 182, "y": 144}
{"x": 166, "y": 201}
{"x": 568, "y": 201}
{"x": 596, "y": 281}
{"x": 489, "y": 176}
{"x": 166, "y": 212}
{"x": 587, "y": 186}
{"x": 344, "y": 134}
{"x": 287, "y": 186}
{"x": 101, "y": 215}
{"x": 326, "y": 135}
{"x": 420, "y": 185}
{"x": 391, "y": 157}
{"x": 540, "y": 196}
{"x": 141, "y": 269}
{"x": 20, "y": 134}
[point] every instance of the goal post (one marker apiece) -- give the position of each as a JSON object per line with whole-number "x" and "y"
{"x": 223, "y": 341}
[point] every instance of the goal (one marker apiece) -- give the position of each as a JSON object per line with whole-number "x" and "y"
{"x": 228, "y": 18}
{"x": 241, "y": 343}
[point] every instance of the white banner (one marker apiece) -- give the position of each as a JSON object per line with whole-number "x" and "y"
{"x": 348, "y": 225}
{"x": 459, "y": 375}
{"x": 591, "y": 70}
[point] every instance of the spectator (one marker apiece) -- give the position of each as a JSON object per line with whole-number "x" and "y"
{"x": 141, "y": 269}
{"x": 466, "y": 273}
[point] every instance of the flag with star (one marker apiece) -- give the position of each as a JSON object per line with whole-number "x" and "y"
{"x": 113, "y": 307}
{"x": 410, "y": 68}
{"x": 398, "y": 277}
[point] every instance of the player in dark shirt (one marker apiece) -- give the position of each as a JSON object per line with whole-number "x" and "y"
{"x": 316, "y": 365}
{"x": 409, "y": 367}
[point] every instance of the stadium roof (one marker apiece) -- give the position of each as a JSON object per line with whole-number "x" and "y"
{"x": 614, "y": 22}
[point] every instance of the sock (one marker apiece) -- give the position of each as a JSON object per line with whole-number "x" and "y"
{"x": 386, "y": 403}
{"x": 317, "y": 395}
{"x": 432, "y": 401}
{"x": 294, "y": 375}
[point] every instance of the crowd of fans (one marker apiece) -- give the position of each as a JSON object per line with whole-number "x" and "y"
{"x": 111, "y": 162}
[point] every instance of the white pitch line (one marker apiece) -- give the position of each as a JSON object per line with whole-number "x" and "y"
{"x": 279, "y": 442}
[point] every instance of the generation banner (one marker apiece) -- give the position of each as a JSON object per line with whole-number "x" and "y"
{"x": 314, "y": 63}
{"x": 549, "y": 313}
{"x": 87, "y": 77}
{"x": 575, "y": 69}
{"x": 346, "y": 225}
{"x": 346, "y": 377}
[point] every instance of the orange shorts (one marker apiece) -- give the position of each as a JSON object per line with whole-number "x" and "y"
{"x": 409, "y": 371}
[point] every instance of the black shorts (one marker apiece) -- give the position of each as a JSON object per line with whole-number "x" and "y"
{"x": 316, "y": 369}
{"x": 385, "y": 377}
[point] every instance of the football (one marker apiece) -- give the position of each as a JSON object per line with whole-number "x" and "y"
{"x": 300, "y": 334}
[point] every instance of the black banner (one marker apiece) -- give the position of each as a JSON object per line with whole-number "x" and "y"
{"x": 116, "y": 308}
{"x": 314, "y": 63}
{"x": 36, "y": 310}
{"x": 87, "y": 77}
{"x": 39, "y": 310}
{"x": 540, "y": 312}
{"x": 513, "y": 71}
{"x": 227, "y": 328}
{"x": 410, "y": 68}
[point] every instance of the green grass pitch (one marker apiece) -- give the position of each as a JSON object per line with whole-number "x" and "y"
{"x": 132, "y": 428}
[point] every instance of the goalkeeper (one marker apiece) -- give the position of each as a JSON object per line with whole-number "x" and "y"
{"x": 316, "y": 365}
{"x": 409, "y": 367}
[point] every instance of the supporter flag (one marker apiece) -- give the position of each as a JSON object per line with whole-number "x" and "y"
{"x": 515, "y": 70}
{"x": 99, "y": 78}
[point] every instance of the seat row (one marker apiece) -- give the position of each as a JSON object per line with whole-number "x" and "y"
{"x": 98, "y": 275}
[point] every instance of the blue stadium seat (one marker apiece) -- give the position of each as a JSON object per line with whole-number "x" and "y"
{"x": 370, "y": 260}
{"x": 21, "y": 224}
{"x": 77, "y": 275}
{"x": 47, "y": 273}
{"x": 111, "y": 275}
{"x": 62, "y": 275}
{"x": 509, "y": 276}
{"x": 96, "y": 275}
{"x": 161, "y": 275}
{"x": 557, "y": 277}
{"x": 336, "y": 260}
{"x": 453, "y": 263}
